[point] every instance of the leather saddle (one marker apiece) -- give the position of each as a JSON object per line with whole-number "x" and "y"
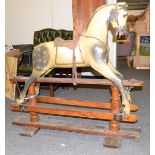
{"x": 67, "y": 43}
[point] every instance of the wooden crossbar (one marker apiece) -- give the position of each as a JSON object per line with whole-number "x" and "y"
{"x": 79, "y": 103}
{"x": 131, "y": 82}
{"x": 72, "y": 113}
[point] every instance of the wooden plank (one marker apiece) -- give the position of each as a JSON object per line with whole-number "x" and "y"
{"x": 131, "y": 129}
{"x": 112, "y": 142}
{"x": 10, "y": 70}
{"x": 63, "y": 125}
{"x": 71, "y": 113}
{"x": 80, "y": 103}
{"x": 29, "y": 131}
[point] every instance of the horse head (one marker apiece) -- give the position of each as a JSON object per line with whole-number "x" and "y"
{"x": 118, "y": 18}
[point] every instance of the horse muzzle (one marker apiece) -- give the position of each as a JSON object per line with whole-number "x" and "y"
{"x": 121, "y": 31}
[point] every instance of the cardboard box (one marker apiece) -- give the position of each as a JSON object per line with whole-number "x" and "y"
{"x": 141, "y": 62}
{"x": 142, "y": 56}
{"x": 140, "y": 27}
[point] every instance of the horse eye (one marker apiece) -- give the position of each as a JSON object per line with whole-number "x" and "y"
{"x": 125, "y": 15}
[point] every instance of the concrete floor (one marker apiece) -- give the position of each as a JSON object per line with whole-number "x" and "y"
{"x": 50, "y": 142}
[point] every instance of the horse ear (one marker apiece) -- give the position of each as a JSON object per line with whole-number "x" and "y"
{"x": 123, "y": 5}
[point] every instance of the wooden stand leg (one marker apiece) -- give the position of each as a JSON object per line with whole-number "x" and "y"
{"x": 115, "y": 108}
{"x": 51, "y": 90}
{"x": 79, "y": 72}
{"x": 114, "y": 126}
{"x": 34, "y": 117}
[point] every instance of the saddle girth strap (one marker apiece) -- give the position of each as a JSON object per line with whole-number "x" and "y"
{"x": 74, "y": 70}
{"x": 72, "y": 45}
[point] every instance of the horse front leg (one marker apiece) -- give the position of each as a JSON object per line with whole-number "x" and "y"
{"x": 115, "y": 70}
{"x": 98, "y": 62}
{"x": 121, "y": 77}
{"x": 112, "y": 66}
{"x": 109, "y": 74}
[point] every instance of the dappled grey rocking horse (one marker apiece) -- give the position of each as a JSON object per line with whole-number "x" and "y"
{"x": 88, "y": 49}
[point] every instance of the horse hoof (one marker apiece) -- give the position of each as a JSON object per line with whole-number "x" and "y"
{"x": 118, "y": 117}
{"x": 126, "y": 108}
{"x": 129, "y": 97}
{"x": 19, "y": 101}
{"x": 121, "y": 76}
{"x": 127, "y": 111}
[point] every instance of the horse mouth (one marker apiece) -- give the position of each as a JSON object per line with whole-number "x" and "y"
{"x": 121, "y": 31}
{"x": 121, "y": 34}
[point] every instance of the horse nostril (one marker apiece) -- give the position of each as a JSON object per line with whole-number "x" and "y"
{"x": 126, "y": 34}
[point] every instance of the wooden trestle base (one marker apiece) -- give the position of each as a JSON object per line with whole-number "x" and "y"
{"x": 34, "y": 123}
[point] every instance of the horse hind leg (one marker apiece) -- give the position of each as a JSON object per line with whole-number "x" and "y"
{"x": 37, "y": 87}
{"x": 28, "y": 82}
{"x": 34, "y": 76}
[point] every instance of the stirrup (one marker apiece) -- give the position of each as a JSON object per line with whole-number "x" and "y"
{"x": 25, "y": 100}
{"x": 118, "y": 116}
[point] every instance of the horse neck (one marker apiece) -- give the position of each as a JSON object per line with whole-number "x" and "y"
{"x": 98, "y": 25}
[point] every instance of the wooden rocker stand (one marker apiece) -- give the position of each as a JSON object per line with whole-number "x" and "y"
{"x": 112, "y": 134}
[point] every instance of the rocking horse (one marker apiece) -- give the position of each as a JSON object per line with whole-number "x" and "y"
{"x": 90, "y": 48}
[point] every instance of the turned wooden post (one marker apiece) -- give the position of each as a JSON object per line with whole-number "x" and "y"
{"x": 34, "y": 117}
{"x": 51, "y": 90}
{"x": 115, "y": 108}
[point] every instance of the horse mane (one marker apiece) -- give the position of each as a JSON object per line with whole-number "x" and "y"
{"x": 98, "y": 9}
{"x": 102, "y": 6}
